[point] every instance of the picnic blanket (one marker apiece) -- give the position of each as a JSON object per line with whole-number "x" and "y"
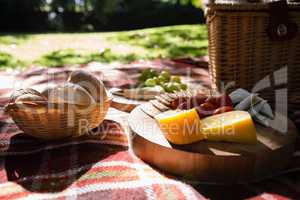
{"x": 103, "y": 166}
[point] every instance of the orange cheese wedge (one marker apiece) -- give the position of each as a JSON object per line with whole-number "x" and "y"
{"x": 185, "y": 127}
{"x": 180, "y": 127}
{"x": 234, "y": 126}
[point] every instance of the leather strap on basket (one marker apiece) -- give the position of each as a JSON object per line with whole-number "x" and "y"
{"x": 280, "y": 27}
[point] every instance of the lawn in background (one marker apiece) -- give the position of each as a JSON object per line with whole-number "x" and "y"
{"x": 59, "y": 49}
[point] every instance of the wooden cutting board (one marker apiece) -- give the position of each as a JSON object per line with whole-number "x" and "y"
{"x": 125, "y": 104}
{"x": 122, "y": 103}
{"x": 211, "y": 162}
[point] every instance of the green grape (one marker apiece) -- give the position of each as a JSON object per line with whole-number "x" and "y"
{"x": 150, "y": 82}
{"x": 172, "y": 87}
{"x": 176, "y": 79}
{"x": 162, "y": 79}
{"x": 166, "y": 86}
{"x": 156, "y": 80}
{"x": 166, "y": 75}
{"x": 153, "y": 73}
{"x": 183, "y": 86}
{"x": 176, "y": 86}
{"x": 146, "y": 74}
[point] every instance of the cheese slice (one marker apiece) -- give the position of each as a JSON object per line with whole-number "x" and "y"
{"x": 234, "y": 126}
{"x": 185, "y": 127}
{"x": 180, "y": 127}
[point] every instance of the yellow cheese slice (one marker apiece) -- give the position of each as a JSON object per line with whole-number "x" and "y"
{"x": 180, "y": 127}
{"x": 185, "y": 127}
{"x": 234, "y": 126}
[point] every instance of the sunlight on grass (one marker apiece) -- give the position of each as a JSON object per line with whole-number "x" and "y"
{"x": 59, "y": 49}
{"x": 177, "y": 41}
{"x": 14, "y": 39}
{"x": 8, "y": 61}
{"x": 60, "y": 58}
{"x": 71, "y": 57}
{"x": 107, "y": 56}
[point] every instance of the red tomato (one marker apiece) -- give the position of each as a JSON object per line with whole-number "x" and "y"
{"x": 220, "y": 100}
{"x": 206, "y": 109}
{"x": 183, "y": 106}
{"x": 223, "y": 110}
{"x": 200, "y": 98}
{"x": 188, "y": 102}
{"x": 177, "y": 102}
{"x": 196, "y": 100}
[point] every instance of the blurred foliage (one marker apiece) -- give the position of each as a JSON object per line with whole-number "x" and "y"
{"x": 89, "y": 15}
{"x": 71, "y": 56}
{"x": 107, "y": 56}
{"x": 13, "y": 39}
{"x": 196, "y": 3}
{"x": 8, "y": 61}
{"x": 168, "y": 41}
{"x": 106, "y": 6}
{"x": 23, "y": 6}
{"x": 100, "y": 8}
{"x": 60, "y": 58}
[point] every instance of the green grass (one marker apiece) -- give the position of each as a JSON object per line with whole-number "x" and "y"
{"x": 60, "y": 58}
{"x": 70, "y": 56}
{"x": 7, "y": 60}
{"x": 187, "y": 40}
{"x": 14, "y": 38}
{"x": 59, "y": 49}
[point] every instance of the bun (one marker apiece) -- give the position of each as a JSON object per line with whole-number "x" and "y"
{"x": 29, "y": 98}
{"x": 91, "y": 83}
{"x": 70, "y": 93}
{"x": 48, "y": 90}
{"x": 20, "y": 92}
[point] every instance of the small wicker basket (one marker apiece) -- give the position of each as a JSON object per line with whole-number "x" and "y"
{"x": 53, "y": 121}
{"x": 250, "y": 40}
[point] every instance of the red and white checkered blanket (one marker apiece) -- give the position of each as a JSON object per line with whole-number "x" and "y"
{"x": 95, "y": 167}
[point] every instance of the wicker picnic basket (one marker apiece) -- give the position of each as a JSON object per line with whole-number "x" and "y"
{"x": 52, "y": 121}
{"x": 254, "y": 44}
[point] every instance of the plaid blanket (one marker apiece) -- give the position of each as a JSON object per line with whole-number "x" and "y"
{"x": 102, "y": 166}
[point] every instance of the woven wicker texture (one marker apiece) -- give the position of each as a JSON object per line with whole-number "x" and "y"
{"x": 55, "y": 121}
{"x": 252, "y": 4}
{"x": 241, "y": 51}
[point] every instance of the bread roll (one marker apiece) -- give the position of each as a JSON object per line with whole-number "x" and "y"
{"x": 70, "y": 93}
{"x": 29, "y": 98}
{"x": 20, "y": 92}
{"x": 45, "y": 92}
{"x": 91, "y": 83}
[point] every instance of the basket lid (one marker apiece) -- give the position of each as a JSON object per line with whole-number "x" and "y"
{"x": 247, "y": 4}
